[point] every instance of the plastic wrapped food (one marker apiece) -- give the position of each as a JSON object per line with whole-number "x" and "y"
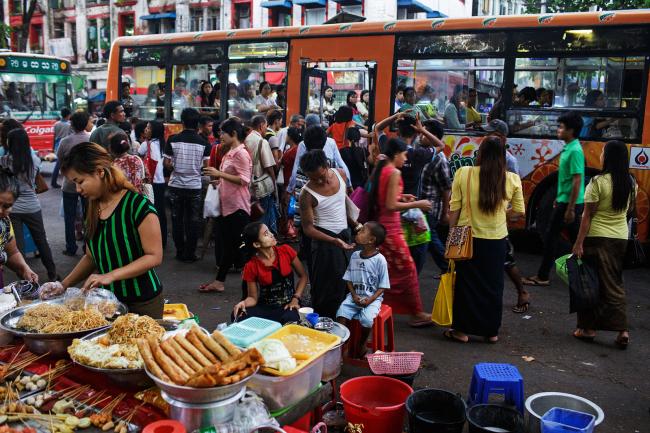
{"x": 74, "y": 298}
{"x": 103, "y": 300}
{"x": 25, "y": 289}
{"x": 275, "y": 355}
{"x": 51, "y": 290}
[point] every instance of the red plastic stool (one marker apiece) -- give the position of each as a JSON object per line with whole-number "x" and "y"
{"x": 383, "y": 335}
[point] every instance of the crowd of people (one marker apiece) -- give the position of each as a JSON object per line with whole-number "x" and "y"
{"x": 280, "y": 184}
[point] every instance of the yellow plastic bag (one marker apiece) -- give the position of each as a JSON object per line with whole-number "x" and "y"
{"x": 444, "y": 302}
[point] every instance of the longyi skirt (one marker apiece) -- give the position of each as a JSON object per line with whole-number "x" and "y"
{"x": 607, "y": 256}
{"x": 478, "y": 295}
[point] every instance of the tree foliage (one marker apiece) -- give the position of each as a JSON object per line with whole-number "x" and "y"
{"x": 555, "y": 6}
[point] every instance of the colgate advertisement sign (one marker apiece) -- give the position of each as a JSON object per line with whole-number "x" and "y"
{"x": 39, "y": 129}
{"x": 41, "y": 134}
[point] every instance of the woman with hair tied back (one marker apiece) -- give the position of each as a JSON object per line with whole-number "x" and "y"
{"x": 123, "y": 241}
{"x": 602, "y": 241}
{"x": 268, "y": 275}
{"x": 479, "y": 198}
{"x": 23, "y": 164}
{"x": 385, "y": 203}
{"x": 132, "y": 166}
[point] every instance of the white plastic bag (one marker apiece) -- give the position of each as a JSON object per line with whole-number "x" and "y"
{"x": 212, "y": 205}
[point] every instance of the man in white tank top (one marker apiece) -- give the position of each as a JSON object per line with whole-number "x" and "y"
{"x": 325, "y": 221}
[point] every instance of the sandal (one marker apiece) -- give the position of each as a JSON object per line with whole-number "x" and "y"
{"x": 449, "y": 335}
{"x": 421, "y": 323}
{"x": 492, "y": 340}
{"x": 535, "y": 281}
{"x": 521, "y": 308}
{"x": 208, "y": 288}
{"x": 580, "y": 335}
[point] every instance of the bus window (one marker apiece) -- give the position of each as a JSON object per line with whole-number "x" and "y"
{"x": 607, "y": 90}
{"x": 144, "y": 69}
{"x": 23, "y": 96}
{"x": 195, "y": 86}
{"x": 147, "y": 91}
{"x": 253, "y": 88}
{"x": 461, "y": 92}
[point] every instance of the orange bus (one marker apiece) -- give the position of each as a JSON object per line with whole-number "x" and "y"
{"x": 595, "y": 63}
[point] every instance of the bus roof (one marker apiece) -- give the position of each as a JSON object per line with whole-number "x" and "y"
{"x": 578, "y": 19}
{"x": 31, "y": 55}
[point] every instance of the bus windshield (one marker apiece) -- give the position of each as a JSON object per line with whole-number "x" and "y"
{"x": 26, "y": 96}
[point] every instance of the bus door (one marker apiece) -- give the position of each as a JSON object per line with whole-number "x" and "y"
{"x": 326, "y": 86}
{"x": 331, "y": 68}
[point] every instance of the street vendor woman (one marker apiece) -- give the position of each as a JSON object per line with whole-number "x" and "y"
{"x": 123, "y": 240}
{"x": 10, "y": 256}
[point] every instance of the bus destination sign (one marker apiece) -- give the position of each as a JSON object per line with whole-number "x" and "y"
{"x": 33, "y": 65}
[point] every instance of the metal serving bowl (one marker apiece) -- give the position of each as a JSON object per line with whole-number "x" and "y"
{"x": 127, "y": 377}
{"x": 56, "y": 344}
{"x": 187, "y": 394}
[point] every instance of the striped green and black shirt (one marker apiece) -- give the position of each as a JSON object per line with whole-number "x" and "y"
{"x": 116, "y": 243}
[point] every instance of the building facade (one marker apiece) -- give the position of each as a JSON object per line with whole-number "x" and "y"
{"x": 499, "y": 7}
{"x": 82, "y": 30}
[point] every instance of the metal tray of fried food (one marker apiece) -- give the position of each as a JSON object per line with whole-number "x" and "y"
{"x": 129, "y": 377}
{"x": 39, "y": 343}
{"x": 10, "y": 381}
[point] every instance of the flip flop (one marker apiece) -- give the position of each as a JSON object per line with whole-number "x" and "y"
{"x": 421, "y": 323}
{"x": 521, "y": 308}
{"x": 532, "y": 281}
{"x": 490, "y": 340}
{"x": 580, "y": 335}
{"x": 449, "y": 335}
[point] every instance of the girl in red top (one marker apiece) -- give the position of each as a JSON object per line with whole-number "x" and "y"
{"x": 269, "y": 278}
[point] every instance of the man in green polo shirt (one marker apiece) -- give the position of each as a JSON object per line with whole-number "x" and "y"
{"x": 569, "y": 201}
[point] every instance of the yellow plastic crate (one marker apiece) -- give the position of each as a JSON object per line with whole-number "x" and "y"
{"x": 329, "y": 340}
{"x": 176, "y": 312}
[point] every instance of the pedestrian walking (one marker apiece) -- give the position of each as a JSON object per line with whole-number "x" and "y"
{"x": 61, "y": 130}
{"x": 81, "y": 124}
{"x": 264, "y": 188}
{"x": 10, "y": 255}
{"x": 268, "y": 274}
{"x": 602, "y": 242}
{"x": 122, "y": 234}
{"x": 185, "y": 155}
{"x": 435, "y": 187}
{"x": 234, "y": 177}
{"x": 324, "y": 220}
{"x": 569, "y": 200}
{"x": 24, "y": 164}
{"x": 153, "y": 146}
{"x": 479, "y": 198}
{"x": 114, "y": 115}
{"x": 386, "y": 202}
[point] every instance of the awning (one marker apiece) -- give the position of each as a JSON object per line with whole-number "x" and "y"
{"x": 349, "y": 2}
{"x": 414, "y": 6}
{"x": 311, "y": 3}
{"x": 159, "y": 16}
{"x": 286, "y": 4}
{"x": 436, "y": 14}
{"x": 345, "y": 17}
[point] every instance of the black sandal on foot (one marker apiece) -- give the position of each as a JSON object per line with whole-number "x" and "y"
{"x": 449, "y": 335}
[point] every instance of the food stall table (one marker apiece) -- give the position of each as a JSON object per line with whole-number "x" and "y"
{"x": 78, "y": 376}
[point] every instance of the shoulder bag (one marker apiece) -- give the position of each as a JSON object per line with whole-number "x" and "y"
{"x": 634, "y": 255}
{"x": 262, "y": 186}
{"x": 40, "y": 184}
{"x": 459, "y": 241}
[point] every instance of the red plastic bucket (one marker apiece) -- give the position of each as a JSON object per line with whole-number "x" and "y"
{"x": 377, "y": 402}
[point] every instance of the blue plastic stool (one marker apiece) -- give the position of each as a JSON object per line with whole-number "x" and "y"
{"x": 503, "y": 379}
